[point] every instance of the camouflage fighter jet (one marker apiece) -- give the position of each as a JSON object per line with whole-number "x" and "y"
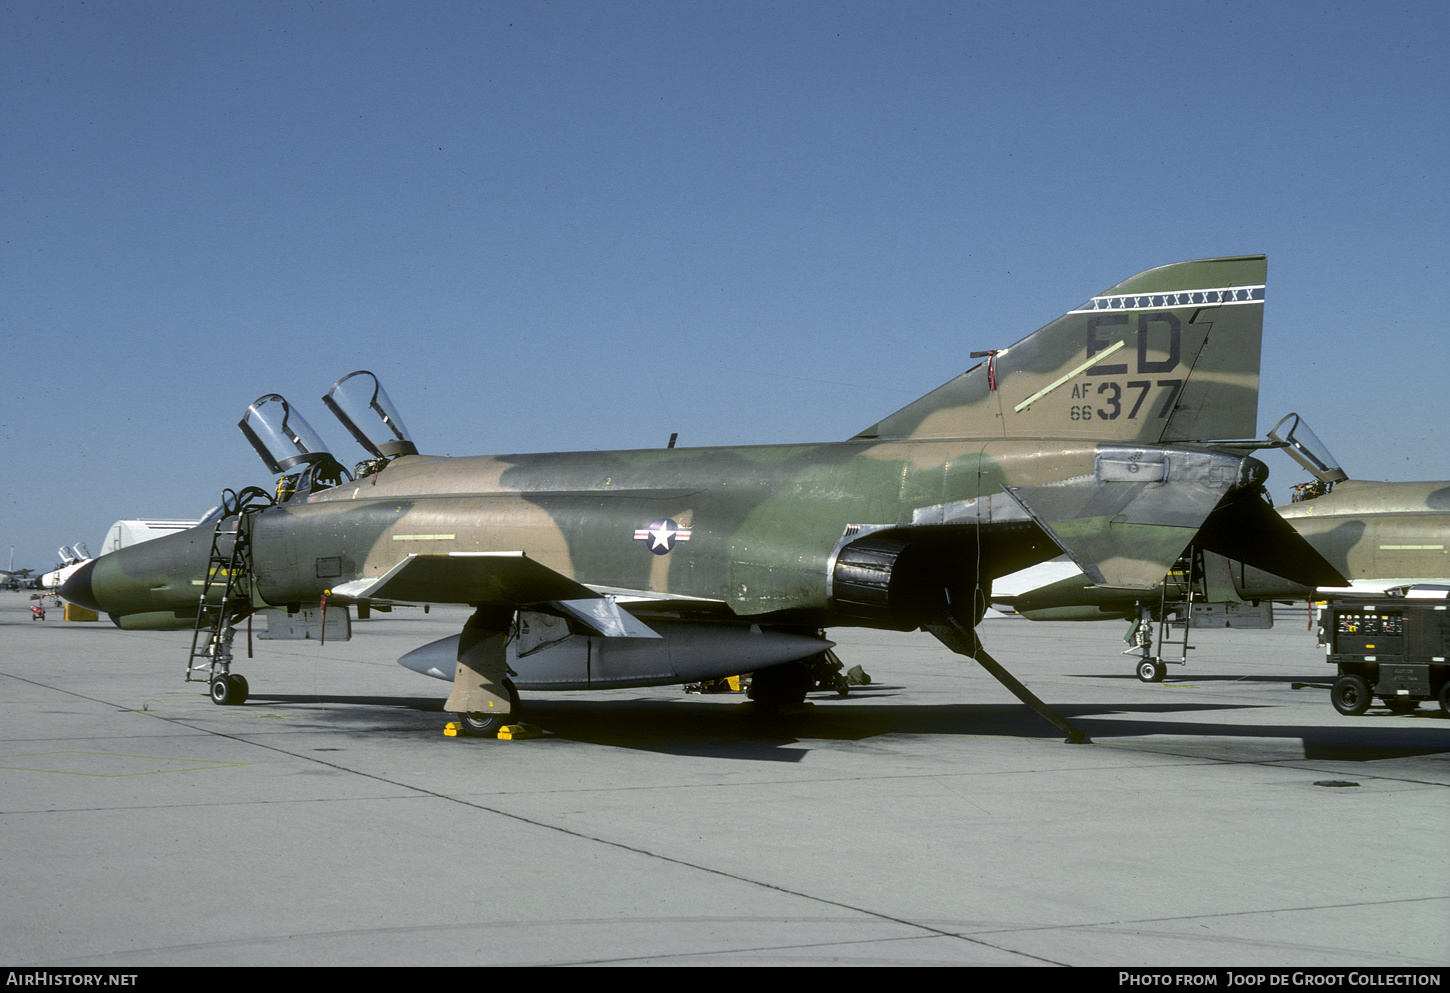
{"x": 632, "y": 568}
{"x": 1380, "y": 535}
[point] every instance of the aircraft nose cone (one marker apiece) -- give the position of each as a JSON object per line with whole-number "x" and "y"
{"x": 77, "y": 589}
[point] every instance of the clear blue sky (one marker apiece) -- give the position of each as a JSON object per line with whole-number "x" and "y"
{"x": 559, "y": 226}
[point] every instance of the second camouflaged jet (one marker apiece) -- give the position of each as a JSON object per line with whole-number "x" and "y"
{"x": 1092, "y": 436}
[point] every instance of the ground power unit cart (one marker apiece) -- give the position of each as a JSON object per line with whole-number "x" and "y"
{"x": 1392, "y": 648}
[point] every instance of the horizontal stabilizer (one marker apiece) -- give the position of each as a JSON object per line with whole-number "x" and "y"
{"x": 1127, "y": 524}
{"x": 497, "y": 578}
{"x": 1248, "y": 530}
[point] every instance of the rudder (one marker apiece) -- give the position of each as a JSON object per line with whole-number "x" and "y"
{"x": 1171, "y": 354}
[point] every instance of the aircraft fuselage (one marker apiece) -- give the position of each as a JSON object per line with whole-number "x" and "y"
{"x": 749, "y": 531}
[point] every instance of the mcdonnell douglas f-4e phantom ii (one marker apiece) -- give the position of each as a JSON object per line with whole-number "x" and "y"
{"x": 1092, "y": 436}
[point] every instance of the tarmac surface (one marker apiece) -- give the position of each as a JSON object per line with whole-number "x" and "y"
{"x": 1226, "y": 817}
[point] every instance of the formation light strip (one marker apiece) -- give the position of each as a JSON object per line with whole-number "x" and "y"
{"x": 1223, "y": 296}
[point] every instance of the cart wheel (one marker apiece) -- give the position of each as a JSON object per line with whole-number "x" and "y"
{"x": 1152, "y": 671}
{"x": 1350, "y": 695}
{"x": 1445, "y": 698}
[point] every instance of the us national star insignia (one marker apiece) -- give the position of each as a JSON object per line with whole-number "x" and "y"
{"x": 662, "y": 535}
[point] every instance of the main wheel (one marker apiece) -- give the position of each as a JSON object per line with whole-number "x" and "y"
{"x": 1350, "y": 695}
{"x": 781, "y": 685}
{"x": 1445, "y": 698}
{"x": 1152, "y": 671}
{"x": 482, "y": 724}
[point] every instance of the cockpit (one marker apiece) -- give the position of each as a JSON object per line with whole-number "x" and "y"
{"x": 285, "y": 441}
{"x": 360, "y": 403}
{"x": 1294, "y": 436}
{"x": 289, "y": 446}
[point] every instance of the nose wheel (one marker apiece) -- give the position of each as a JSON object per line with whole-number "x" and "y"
{"x": 1152, "y": 670}
{"x": 228, "y": 689}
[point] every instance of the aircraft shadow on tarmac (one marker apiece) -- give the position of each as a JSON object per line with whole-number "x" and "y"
{"x": 732, "y": 728}
{"x": 1195, "y": 677}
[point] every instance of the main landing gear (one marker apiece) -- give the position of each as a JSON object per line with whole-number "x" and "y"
{"x": 784, "y": 685}
{"x": 482, "y": 724}
{"x": 483, "y": 697}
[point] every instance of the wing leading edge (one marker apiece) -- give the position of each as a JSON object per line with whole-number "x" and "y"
{"x": 501, "y": 579}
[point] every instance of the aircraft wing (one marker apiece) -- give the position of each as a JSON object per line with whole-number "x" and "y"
{"x": 509, "y": 579}
{"x": 493, "y": 578}
{"x": 1154, "y": 524}
{"x": 1127, "y": 523}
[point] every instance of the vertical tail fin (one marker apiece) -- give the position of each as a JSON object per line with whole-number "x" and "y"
{"x": 1171, "y": 354}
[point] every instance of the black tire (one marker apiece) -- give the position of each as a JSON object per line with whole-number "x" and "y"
{"x": 1152, "y": 671}
{"x": 1350, "y": 695}
{"x": 229, "y": 689}
{"x": 781, "y": 685}
{"x": 1445, "y": 698}
{"x": 486, "y": 725}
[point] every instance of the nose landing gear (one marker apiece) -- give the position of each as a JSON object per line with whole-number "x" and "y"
{"x": 229, "y": 689}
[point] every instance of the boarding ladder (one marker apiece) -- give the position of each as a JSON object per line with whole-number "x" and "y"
{"x": 1183, "y": 585}
{"x": 226, "y": 591}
